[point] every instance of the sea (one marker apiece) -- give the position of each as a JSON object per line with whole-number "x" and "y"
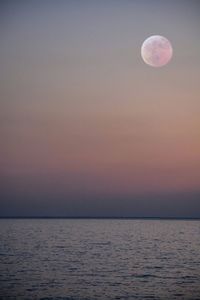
{"x": 93, "y": 259}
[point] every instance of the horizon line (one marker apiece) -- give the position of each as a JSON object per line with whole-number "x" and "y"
{"x": 99, "y": 217}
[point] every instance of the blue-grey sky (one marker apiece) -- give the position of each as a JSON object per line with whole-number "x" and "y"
{"x": 87, "y": 128}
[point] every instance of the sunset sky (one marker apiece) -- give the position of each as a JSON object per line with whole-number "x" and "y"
{"x": 86, "y": 127}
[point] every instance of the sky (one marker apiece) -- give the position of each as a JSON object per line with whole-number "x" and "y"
{"x": 86, "y": 127}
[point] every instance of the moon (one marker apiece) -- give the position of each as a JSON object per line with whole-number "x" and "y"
{"x": 156, "y": 51}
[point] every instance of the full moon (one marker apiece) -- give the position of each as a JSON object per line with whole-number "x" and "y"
{"x": 156, "y": 51}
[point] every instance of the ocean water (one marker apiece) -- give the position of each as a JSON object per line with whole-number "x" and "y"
{"x": 88, "y": 259}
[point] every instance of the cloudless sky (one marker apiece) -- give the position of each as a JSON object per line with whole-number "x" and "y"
{"x": 87, "y": 128}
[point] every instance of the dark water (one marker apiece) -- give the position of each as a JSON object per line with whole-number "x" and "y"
{"x": 99, "y": 259}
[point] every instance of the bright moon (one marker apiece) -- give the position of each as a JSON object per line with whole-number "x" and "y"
{"x": 156, "y": 51}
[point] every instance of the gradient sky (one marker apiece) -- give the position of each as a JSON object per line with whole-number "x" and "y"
{"x": 87, "y": 128}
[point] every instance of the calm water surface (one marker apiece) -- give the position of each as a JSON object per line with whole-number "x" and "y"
{"x": 99, "y": 259}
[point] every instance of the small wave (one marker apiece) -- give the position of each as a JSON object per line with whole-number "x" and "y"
{"x": 144, "y": 276}
{"x": 63, "y": 298}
